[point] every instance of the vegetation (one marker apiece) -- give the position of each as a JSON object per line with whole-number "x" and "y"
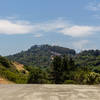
{"x": 53, "y": 64}
{"x": 38, "y": 76}
{"x": 8, "y": 71}
{"x": 67, "y": 72}
{"x": 63, "y": 71}
{"x": 40, "y": 55}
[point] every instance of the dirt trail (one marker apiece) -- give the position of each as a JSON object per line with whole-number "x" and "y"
{"x": 49, "y": 92}
{"x": 20, "y": 67}
{"x": 5, "y": 81}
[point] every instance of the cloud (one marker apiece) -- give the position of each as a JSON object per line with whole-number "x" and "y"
{"x": 77, "y": 31}
{"x": 66, "y": 28}
{"x": 10, "y": 27}
{"x": 93, "y": 6}
{"x": 61, "y": 26}
{"x": 80, "y": 44}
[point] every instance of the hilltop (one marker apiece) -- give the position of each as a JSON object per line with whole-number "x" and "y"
{"x": 40, "y": 55}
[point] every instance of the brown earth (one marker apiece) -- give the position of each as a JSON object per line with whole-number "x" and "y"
{"x": 5, "y": 81}
{"x": 19, "y": 67}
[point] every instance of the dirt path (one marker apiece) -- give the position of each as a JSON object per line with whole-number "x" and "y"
{"x": 5, "y": 81}
{"x": 49, "y": 92}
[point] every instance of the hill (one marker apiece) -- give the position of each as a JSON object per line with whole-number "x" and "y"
{"x": 68, "y": 67}
{"x": 40, "y": 55}
{"x": 89, "y": 59}
{"x": 9, "y": 72}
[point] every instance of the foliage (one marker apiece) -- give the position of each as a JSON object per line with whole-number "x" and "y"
{"x": 38, "y": 76}
{"x": 88, "y": 58}
{"x": 8, "y": 71}
{"x": 64, "y": 71}
{"x": 69, "y": 82}
{"x": 40, "y": 55}
{"x": 54, "y": 64}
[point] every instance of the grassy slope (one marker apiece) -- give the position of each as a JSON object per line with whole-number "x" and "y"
{"x": 10, "y": 72}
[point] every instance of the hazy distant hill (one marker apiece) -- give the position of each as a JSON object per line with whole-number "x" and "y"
{"x": 40, "y": 55}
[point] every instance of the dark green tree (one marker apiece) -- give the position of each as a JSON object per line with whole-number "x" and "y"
{"x": 57, "y": 70}
{"x": 38, "y": 76}
{"x": 62, "y": 69}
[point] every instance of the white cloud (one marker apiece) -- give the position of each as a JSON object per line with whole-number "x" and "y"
{"x": 10, "y": 27}
{"x": 79, "y": 45}
{"x": 61, "y": 26}
{"x": 65, "y": 28}
{"x": 77, "y": 31}
{"x": 93, "y": 6}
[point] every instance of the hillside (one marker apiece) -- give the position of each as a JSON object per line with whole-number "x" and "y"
{"x": 89, "y": 59}
{"x": 20, "y": 67}
{"x": 40, "y": 55}
{"x": 66, "y": 66}
{"x": 9, "y": 72}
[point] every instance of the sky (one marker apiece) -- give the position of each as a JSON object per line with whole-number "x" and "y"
{"x": 69, "y": 23}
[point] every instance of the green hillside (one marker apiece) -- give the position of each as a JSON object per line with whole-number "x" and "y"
{"x": 89, "y": 59}
{"x": 9, "y": 71}
{"x": 40, "y": 55}
{"x": 58, "y": 65}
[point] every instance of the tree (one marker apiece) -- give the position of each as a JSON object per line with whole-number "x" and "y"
{"x": 62, "y": 69}
{"x": 57, "y": 70}
{"x": 38, "y": 76}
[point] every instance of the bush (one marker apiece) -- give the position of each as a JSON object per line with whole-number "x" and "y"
{"x": 38, "y": 76}
{"x": 12, "y": 76}
{"x": 69, "y": 82}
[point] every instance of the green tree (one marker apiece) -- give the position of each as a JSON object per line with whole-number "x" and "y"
{"x": 57, "y": 70}
{"x": 38, "y": 76}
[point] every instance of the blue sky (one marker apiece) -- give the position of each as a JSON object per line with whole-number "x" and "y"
{"x": 69, "y": 23}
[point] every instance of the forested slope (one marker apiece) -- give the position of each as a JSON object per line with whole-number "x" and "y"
{"x": 40, "y": 55}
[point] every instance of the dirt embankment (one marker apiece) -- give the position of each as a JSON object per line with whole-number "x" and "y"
{"x": 5, "y": 81}
{"x": 20, "y": 67}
